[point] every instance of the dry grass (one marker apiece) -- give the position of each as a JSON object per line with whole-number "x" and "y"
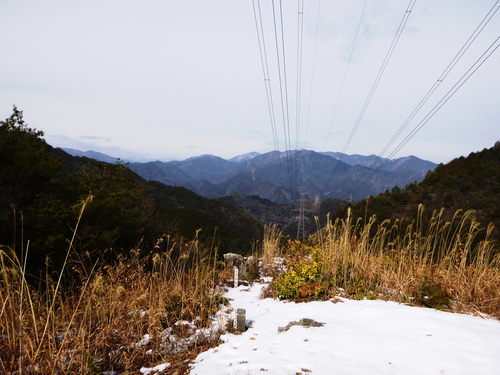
{"x": 271, "y": 247}
{"x": 437, "y": 264}
{"x": 101, "y": 324}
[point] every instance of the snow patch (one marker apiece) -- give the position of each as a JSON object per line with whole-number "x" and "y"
{"x": 153, "y": 370}
{"x": 358, "y": 337}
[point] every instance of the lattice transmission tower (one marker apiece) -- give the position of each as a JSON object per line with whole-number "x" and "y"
{"x": 301, "y": 218}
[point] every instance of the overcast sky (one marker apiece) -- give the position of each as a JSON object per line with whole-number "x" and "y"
{"x": 173, "y": 79}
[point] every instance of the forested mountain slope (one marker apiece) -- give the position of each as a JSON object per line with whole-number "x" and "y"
{"x": 465, "y": 183}
{"x": 42, "y": 190}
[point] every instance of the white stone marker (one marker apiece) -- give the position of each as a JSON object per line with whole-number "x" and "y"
{"x": 240, "y": 320}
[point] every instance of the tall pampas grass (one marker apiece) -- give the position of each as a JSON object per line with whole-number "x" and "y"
{"x": 398, "y": 262}
{"x": 116, "y": 318}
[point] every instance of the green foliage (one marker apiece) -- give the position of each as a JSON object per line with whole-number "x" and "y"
{"x": 302, "y": 279}
{"x": 91, "y": 362}
{"x": 26, "y": 163}
{"x": 287, "y": 285}
{"x": 175, "y": 308}
{"x": 179, "y": 211}
{"x": 179, "y": 306}
{"x": 118, "y": 212}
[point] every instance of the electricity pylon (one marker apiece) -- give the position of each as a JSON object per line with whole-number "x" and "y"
{"x": 301, "y": 224}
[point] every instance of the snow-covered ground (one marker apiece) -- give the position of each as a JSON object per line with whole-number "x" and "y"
{"x": 358, "y": 337}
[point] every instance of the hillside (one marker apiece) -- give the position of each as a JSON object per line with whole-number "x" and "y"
{"x": 465, "y": 183}
{"x": 285, "y": 216}
{"x": 43, "y": 189}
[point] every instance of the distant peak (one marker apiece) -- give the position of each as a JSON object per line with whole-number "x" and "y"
{"x": 244, "y": 157}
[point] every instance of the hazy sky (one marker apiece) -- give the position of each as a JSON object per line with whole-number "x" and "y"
{"x": 173, "y": 79}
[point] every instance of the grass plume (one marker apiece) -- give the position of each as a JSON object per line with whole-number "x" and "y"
{"x": 395, "y": 261}
{"x": 441, "y": 264}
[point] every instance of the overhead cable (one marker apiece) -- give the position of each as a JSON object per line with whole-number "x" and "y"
{"x": 381, "y": 71}
{"x": 265, "y": 71}
{"x": 298, "y": 94}
{"x": 395, "y": 40}
{"x": 479, "y": 62}
{"x": 445, "y": 73}
{"x": 362, "y": 180}
{"x": 345, "y": 76}
{"x": 283, "y": 87}
{"x": 300, "y": 34}
{"x": 312, "y": 73}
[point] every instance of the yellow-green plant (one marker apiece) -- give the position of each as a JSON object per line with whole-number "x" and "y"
{"x": 302, "y": 279}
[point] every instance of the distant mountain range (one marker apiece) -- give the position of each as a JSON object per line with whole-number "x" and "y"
{"x": 282, "y": 176}
{"x": 91, "y": 155}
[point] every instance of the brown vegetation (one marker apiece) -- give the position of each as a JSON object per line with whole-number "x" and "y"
{"x": 140, "y": 312}
{"x": 438, "y": 264}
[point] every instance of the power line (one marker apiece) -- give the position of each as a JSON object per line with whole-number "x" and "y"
{"x": 300, "y": 34}
{"x": 479, "y": 62}
{"x": 395, "y": 40}
{"x": 283, "y": 88}
{"x": 312, "y": 71}
{"x": 345, "y": 76}
{"x": 436, "y": 84}
{"x": 381, "y": 71}
{"x": 280, "y": 51}
{"x": 443, "y": 75}
{"x": 279, "y": 36}
{"x": 265, "y": 71}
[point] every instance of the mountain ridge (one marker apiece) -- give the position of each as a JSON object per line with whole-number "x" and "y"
{"x": 282, "y": 176}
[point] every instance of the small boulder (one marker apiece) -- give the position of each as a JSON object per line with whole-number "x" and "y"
{"x": 233, "y": 260}
{"x": 305, "y": 322}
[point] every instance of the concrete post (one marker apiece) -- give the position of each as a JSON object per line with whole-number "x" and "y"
{"x": 241, "y": 320}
